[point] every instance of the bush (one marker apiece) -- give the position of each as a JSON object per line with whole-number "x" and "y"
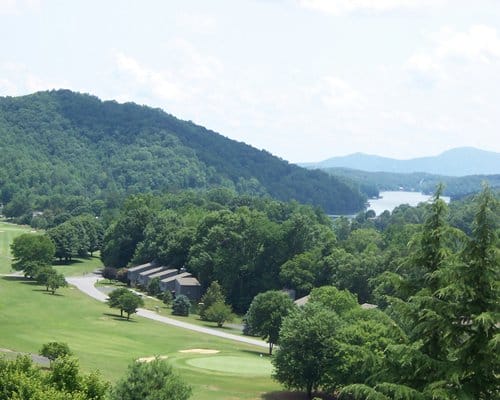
{"x": 148, "y": 381}
{"x": 181, "y": 306}
{"x": 167, "y": 297}
{"x": 53, "y": 350}
{"x": 121, "y": 275}
{"x": 219, "y": 313}
{"x": 154, "y": 287}
{"x": 109, "y": 273}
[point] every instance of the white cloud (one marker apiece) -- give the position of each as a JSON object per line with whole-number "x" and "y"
{"x": 340, "y": 7}
{"x": 16, "y": 7}
{"x": 161, "y": 84}
{"x": 479, "y": 45}
{"x": 335, "y": 92}
{"x": 195, "y": 64}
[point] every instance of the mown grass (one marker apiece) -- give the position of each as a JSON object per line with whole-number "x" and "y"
{"x": 153, "y": 304}
{"x": 8, "y": 232}
{"x": 29, "y": 317}
{"x": 101, "y": 340}
{"x": 80, "y": 265}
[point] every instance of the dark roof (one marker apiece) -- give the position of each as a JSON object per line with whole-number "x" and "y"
{"x": 188, "y": 281}
{"x": 140, "y": 267}
{"x": 150, "y": 271}
{"x": 173, "y": 278}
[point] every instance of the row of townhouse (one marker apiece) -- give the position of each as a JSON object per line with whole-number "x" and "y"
{"x": 174, "y": 280}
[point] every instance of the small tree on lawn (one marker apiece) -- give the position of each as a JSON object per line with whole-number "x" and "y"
{"x": 53, "y": 350}
{"x": 130, "y": 302}
{"x": 43, "y": 274}
{"x": 266, "y": 314}
{"x": 181, "y": 306}
{"x": 55, "y": 281}
{"x": 31, "y": 252}
{"x": 219, "y": 313}
{"x": 114, "y": 298}
{"x": 213, "y": 295}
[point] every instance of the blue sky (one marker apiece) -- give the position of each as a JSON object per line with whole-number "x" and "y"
{"x": 303, "y": 79}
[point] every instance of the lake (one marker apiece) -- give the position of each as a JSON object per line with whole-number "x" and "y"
{"x": 390, "y": 200}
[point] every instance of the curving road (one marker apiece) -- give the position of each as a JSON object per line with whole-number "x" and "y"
{"x": 86, "y": 284}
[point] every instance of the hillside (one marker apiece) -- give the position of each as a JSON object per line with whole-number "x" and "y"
{"x": 371, "y": 183}
{"x": 455, "y": 162}
{"x": 66, "y": 143}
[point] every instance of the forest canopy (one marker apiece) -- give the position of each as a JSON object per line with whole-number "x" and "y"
{"x": 64, "y": 150}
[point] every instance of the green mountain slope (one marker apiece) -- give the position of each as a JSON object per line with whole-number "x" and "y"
{"x": 65, "y": 143}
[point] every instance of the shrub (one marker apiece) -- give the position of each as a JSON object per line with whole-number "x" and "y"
{"x": 181, "y": 306}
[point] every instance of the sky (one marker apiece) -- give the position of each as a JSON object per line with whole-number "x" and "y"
{"x": 303, "y": 79}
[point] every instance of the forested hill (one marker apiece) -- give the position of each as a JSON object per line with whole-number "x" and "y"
{"x": 66, "y": 143}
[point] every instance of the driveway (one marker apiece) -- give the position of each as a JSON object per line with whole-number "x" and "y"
{"x": 86, "y": 284}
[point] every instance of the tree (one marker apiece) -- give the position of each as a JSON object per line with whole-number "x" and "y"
{"x": 109, "y": 273}
{"x": 451, "y": 319}
{"x": 66, "y": 239}
{"x": 306, "y": 348}
{"x": 154, "y": 288}
{"x": 299, "y": 273}
{"x": 219, "y": 313}
{"x": 150, "y": 381}
{"x": 55, "y": 281}
{"x": 333, "y": 299}
{"x": 129, "y": 302}
{"x": 31, "y": 252}
{"x": 213, "y": 295}
{"x": 167, "y": 297}
{"x": 21, "y": 379}
{"x": 266, "y": 314}
{"x": 181, "y": 306}
{"x": 474, "y": 291}
{"x": 114, "y": 298}
{"x": 53, "y": 350}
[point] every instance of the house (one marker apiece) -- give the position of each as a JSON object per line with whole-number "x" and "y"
{"x": 142, "y": 278}
{"x": 133, "y": 273}
{"x": 173, "y": 280}
{"x": 188, "y": 286}
{"x": 169, "y": 283}
{"x": 164, "y": 273}
{"x": 302, "y": 301}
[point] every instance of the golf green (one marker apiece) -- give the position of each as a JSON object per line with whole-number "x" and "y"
{"x": 255, "y": 366}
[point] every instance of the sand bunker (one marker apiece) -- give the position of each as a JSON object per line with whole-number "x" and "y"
{"x": 200, "y": 351}
{"x": 149, "y": 359}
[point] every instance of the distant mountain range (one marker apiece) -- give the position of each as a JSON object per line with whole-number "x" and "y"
{"x": 460, "y": 161}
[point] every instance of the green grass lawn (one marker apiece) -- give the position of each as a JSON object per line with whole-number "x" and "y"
{"x": 7, "y": 234}
{"x": 29, "y": 317}
{"x": 80, "y": 266}
{"x": 101, "y": 340}
{"x": 154, "y": 304}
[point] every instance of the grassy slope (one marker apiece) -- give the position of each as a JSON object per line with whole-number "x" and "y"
{"x": 7, "y": 233}
{"x": 30, "y": 317}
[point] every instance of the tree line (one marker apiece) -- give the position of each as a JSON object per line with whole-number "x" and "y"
{"x": 434, "y": 335}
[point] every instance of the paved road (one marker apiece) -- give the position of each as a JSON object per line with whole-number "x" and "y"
{"x": 86, "y": 284}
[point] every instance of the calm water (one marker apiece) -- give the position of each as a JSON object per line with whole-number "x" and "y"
{"x": 390, "y": 200}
